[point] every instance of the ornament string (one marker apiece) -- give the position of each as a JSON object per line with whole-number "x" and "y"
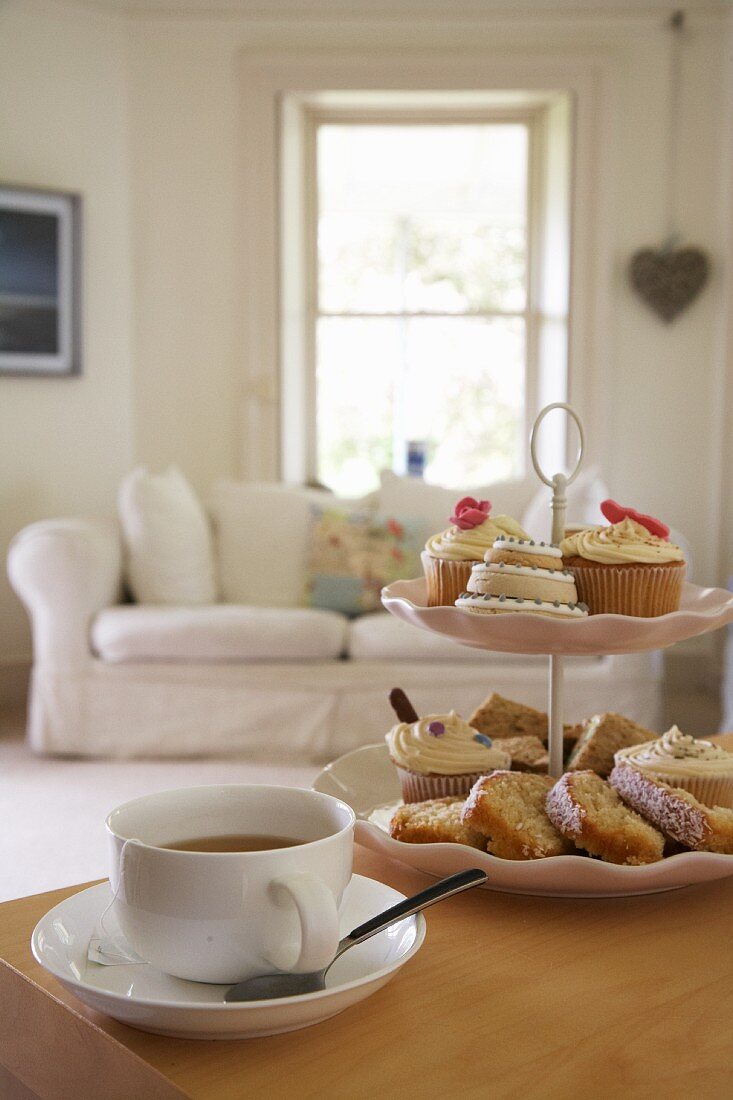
{"x": 677, "y": 28}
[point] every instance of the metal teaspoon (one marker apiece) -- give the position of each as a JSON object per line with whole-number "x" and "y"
{"x": 269, "y": 986}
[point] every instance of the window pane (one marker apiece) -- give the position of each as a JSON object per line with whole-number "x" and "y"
{"x": 457, "y": 383}
{"x": 422, "y": 218}
{"x": 464, "y": 394}
{"x": 357, "y": 366}
{"x": 359, "y": 270}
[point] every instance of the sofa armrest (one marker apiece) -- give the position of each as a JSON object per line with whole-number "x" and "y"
{"x": 65, "y": 571}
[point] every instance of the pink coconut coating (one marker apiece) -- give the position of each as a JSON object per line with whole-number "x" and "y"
{"x": 663, "y": 806}
{"x": 563, "y": 810}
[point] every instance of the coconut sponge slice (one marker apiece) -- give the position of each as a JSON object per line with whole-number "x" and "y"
{"x": 676, "y": 812}
{"x": 601, "y": 736}
{"x": 436, "y": 821}
{"x": 588, "y": 811}
{"x": 500, "y": 717}
{"x": 508, "y": 808}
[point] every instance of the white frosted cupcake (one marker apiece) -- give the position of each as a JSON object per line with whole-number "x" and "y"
{"x": 441, "y": 755}
{"x": 700, "y": 767}
{"x": 627, "y": 568}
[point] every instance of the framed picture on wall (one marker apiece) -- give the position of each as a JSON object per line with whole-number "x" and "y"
{"x": 40, "y": 257}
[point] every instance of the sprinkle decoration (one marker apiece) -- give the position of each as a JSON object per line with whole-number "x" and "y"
{"x": 437, "y": 729}
{"x": 483, "y": 740}
{"x": 614, "y": 513}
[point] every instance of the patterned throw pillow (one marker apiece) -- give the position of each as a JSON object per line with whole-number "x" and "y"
{"x": 353, "y": 555}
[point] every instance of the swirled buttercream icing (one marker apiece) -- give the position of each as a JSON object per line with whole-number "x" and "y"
{"x": 455, "y": 544}
{"x": 443, "y": 744}
{"x": 677, "y": 753}
{"x": 622, "y": 543}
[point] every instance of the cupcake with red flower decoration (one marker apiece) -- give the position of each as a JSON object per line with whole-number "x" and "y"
{"x": 627, "y": 568}
{"x": 449, "y": 556}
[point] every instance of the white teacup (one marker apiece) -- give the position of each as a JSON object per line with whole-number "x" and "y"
{"x": 226, "y": 916}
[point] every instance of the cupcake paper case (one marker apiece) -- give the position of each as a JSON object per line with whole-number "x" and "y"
{"x": 628, "y": 568}
{"x": 449, "y": 556}
{"x": 703, "y": 769}
{"x": 441, "y": 755}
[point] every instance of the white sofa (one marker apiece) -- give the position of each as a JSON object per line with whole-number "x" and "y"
{"x": 255, "y": 679}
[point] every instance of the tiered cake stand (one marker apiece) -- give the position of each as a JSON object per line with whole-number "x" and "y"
{"x": 366, "y": 778}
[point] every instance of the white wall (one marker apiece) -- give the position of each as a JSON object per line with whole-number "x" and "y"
{"x": 63, "y": 124}
{"x": 166, "y": 365}
{"x": 666, "y": 389}
{"x": 185, "y": 167}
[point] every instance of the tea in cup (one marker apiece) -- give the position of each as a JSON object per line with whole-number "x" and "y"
{"x": 222, "y": 883}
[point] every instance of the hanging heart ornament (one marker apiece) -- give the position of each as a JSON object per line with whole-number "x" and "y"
{"x": 668, "y": 280}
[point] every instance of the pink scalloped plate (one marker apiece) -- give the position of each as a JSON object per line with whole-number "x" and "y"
{"x": 701, "y": 610}
{"x": 367, "y": 780}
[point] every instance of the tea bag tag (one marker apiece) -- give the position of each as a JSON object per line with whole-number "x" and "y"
{"x": 107, "y": 947}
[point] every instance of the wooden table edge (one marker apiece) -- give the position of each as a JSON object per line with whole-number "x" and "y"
{"x": 67, "y": 1039}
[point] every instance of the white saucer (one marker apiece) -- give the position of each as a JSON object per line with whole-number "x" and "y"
{"x": 367, "y": 780}
{"x": 147, "y": 999}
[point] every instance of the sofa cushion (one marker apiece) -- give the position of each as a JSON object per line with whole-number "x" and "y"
{"x": 382, "y": 637}
{"x": 353, "y": 555}
{"x": 169, "y": 548}
{"x": 434, "y": 504}
{"x": 261, "y": 536}
{"x": 217, "y": 633}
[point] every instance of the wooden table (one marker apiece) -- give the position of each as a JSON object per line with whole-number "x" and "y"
{"x": 509, "y": 997}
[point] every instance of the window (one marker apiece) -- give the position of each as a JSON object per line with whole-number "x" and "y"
{"x": 430, "y": 310}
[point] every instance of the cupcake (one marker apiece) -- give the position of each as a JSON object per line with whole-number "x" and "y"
{"x": 448, "y": 557}
{"x": 441, "y": 755}
{"x": 703, "y": 769}
{"x": 521, "y": 575}
{"x": 628, "y": 568}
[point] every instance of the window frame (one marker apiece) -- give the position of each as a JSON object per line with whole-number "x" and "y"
{"x": 300, "y": 118}
{"x": 276, "y": 84}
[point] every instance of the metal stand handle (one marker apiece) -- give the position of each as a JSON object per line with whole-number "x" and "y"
{"x": 558, "y": 483}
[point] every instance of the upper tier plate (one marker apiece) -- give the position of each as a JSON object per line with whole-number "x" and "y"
{"x": 701, "y": 610}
